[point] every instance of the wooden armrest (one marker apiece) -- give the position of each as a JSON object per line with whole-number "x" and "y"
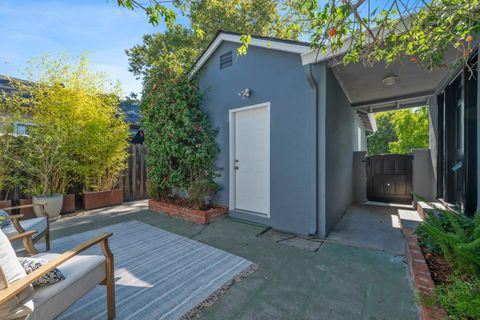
{"x": 14, "y": 217}
{"x": 24, "y": 206}
{"x": 33, "y": 205}
{"x": 21, "y": 284}
{"x": 27, "y": 234}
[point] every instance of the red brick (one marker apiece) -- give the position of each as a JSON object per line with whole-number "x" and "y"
{"x": 193, "y": 215}
{"x": 421, "y": 277}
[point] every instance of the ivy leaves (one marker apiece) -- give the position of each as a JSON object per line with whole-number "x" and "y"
{"x": 181, "y": 143}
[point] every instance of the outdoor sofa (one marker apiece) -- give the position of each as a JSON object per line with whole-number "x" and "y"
{"x": 20, "y": 300}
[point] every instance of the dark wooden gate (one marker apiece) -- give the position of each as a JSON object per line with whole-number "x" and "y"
{"x": 389, "y": 178}
{"x": 134, "y": 181}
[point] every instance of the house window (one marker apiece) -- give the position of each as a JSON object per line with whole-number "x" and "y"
{"x": 226, "y": 60}
{"x": 22, "y": 129}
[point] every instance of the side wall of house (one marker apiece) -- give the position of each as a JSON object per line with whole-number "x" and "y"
{"x": 279, "y": 78}
{"x": 344, "y": 135}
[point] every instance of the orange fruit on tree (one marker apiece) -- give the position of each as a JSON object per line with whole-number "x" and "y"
{"x": 332, "y": 32}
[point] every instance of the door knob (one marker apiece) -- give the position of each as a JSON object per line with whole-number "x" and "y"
{"x": 236, "y": 168}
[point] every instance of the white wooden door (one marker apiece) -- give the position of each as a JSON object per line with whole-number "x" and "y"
{"x": 252, "y": 160}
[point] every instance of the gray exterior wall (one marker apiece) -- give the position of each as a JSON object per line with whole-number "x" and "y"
{"x": 433, "y": 136}
{"x": 360, "y": 176}
{"x": 423, "y": 179}
{"x": 342, "y": 139}
{"x": 277, "y": 77}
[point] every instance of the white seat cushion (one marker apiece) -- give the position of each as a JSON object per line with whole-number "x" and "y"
{"x": 37, "y": 224}
{"x": 10, "y": 271}
{"x": 82, "y": 273}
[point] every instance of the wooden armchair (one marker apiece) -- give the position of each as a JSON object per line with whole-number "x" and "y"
{"x": 82, "y": 274}
{"x": 39, "y": 224}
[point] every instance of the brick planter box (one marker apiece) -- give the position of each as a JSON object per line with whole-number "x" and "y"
{"x": 421, "y": 279}
{"x": 28, "y": 213}
{"x": 94, "y": 200}
{"x": 184, "y": 213}
{"x": 68, "y": 203}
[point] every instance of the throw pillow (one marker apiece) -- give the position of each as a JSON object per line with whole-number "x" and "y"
{"x": 11, "y": 270}
{"x": 3, "y": 219}
{"x": 32, "y": 264}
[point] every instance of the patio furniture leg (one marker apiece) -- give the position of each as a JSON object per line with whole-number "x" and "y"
{"x": 47, "y": 239}
{"x": 110, "y": 279}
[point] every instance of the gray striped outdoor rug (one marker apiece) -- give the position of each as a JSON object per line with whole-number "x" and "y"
{"x": 159, "y": 274}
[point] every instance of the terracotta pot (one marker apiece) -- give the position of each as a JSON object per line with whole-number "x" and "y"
{"x": 27, "y": 212}
{"x": 68, "y": 203}
{"x": 53, "y": 204}
{"x": 5, "y": 204}
{"x": 100, "y": 199}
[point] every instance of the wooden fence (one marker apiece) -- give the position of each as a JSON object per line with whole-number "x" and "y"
{"x": 134, "y": 181}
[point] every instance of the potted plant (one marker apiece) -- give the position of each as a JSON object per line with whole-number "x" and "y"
{"x": 103, "y": 156}
{"x": 49, "y": 166}
{"x": 76, "y": 133}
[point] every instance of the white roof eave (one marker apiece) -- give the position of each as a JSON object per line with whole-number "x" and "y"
{"x": 255, "y": 42}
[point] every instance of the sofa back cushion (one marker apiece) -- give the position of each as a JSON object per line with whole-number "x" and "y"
{"x": 10, "y": 271}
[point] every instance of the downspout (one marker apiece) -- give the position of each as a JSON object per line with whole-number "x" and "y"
{"x": 309, "y": 74}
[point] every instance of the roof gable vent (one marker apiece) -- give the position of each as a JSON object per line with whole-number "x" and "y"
{"x": 226, "y": 60}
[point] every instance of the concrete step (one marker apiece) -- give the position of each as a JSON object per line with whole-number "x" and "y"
{"x": 424, "y": 207}
{"x": 409, "y": 219}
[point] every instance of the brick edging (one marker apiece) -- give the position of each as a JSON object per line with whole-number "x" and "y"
{"x": 184, "y": 213}
{"x": 421, "y": 279}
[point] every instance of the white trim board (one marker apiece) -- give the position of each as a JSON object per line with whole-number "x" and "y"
{"x": 255, "y": 42}
{"x": 231, "y": 161}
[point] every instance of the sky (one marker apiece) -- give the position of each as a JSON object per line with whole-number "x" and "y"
{"x": 31, "y": 28}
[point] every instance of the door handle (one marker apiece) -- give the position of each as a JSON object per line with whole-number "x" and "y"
{"x": 236, "y": 168}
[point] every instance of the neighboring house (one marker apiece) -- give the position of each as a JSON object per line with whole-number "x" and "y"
{"x": 292, "y": 123}
{"x": 20, "y": 128}
{"x": 134, "y": 119}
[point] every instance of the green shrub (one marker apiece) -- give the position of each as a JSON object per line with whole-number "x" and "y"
{"x": 461, "y": 298}
{"x": 456, "y": 236}
{"x": 77, "y": 134}
{"x": 178, "y": 136}
{"x": 201, "y": 192}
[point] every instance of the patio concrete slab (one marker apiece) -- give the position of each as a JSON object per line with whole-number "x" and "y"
{"x": 371, "y": 227}
{"x": 292, "y": 240}
{"x": 335, "y": 282}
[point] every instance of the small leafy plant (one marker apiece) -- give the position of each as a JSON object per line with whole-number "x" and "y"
{"x": 461, "y": 298}
{"x": 201, "y": 192}
{"x": 457, "y": 238}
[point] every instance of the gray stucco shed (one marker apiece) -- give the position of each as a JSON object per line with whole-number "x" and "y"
{"x": 313, "y": 130}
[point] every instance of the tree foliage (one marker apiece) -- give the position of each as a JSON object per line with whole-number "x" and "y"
{"x": 178, "y": 47}
{"x": 399, "y": 131}
{"x": 411, "y": 130}
{"x": 419, "y": 30}
{"x": 378, "y": 143}
{"x": 76, "y": 133}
